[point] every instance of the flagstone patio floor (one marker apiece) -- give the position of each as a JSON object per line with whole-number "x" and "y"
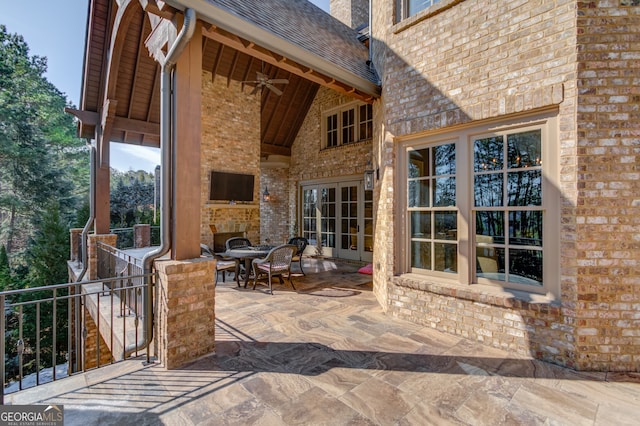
{"x": 326, "y": 354}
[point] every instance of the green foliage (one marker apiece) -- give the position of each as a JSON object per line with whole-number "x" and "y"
{"x": 40, "y": 158}
{"x": 132, "y": 198}
{"x": 48, "y": 251}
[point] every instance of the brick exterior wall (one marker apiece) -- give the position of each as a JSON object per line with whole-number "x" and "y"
{"x": 90, "y": 351}
{"x": 185, "y": 314}
{"x": 468, "y": 61}
{"x": 230, "y": 143}
{"x": 274, "y": 215}
{"x": 353, "y": 13}
{"x": 605, "y": 251}
{"x": 309, "y": 161}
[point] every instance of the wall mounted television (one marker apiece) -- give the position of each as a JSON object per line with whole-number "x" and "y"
{"x": 225, "y": 186}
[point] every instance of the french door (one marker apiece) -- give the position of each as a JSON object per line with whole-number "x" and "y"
{"x": 337, "y": 219}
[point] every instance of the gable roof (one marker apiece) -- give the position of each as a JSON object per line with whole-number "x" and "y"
{"x": 296, "y": 29}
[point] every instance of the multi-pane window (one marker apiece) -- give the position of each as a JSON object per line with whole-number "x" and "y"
{"x": 348, "y": 126}
{"x": 352, "y": 123}
{"x": 507, "y": 188}
{"x": 332, "y": 130}
{"x": 409, "y": 8}
{"x": 432, "y": 208}
{"x": 366, "y": 121}
{"x": 328, "y": 217}
{"x": 309, "y": 214}
{"x": 483, "y": 205}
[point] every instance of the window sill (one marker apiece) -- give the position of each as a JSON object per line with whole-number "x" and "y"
{"x": 480, "y": 293}
{"x": 424, "y": 14}
{"x": 346, "y": 145}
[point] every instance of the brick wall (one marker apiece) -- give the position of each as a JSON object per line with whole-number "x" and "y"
{"x": 606, "y": 250}
{"x": 354, "y": 13}
{"x": 185, "y": 314}
{"x": 230, "y": 143}
{"x": 274, "y": 221}
{"x": 310, "y": 162}
{"x": 466, "y": 61}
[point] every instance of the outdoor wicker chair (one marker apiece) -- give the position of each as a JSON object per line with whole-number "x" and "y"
{"x": 277, "y": 263}
{"x": 224, "y": 264}
{"x": 237, "y": 242}
{"x": 301, "y": 243}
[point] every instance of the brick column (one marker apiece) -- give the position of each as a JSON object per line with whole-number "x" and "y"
{"x": 75, "y": 242}
{"x": 185, "y": 310}
{"x": 92, "y": 249}
{"x": 141, "y": 235}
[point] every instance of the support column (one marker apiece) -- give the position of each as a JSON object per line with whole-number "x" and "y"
{"x": 185, "y": 318}
{"x": 141, "y": 235}
{"x": 186, "y": 173}
{"x": 92, "y": 251}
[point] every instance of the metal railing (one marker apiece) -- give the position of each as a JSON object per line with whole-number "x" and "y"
{"x": 118, "y": 263}
{"x": 46, "y": 327}
{"x": 125, "y": 236}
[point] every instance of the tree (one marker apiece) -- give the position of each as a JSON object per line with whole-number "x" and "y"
{"x": 39, "y": 154}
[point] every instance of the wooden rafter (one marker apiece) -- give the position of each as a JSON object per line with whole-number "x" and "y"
{"x": 231, "y": 40}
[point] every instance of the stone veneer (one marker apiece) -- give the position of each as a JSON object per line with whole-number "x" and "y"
{"x": 230, "y": 143}
{"x": 496, "y": 59}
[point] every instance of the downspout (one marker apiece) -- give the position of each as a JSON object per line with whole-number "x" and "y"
{"x": 166, "y": 148}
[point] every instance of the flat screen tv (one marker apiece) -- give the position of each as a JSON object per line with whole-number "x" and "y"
{"x": 231, "y": 186}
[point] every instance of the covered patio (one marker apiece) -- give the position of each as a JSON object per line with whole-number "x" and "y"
{"x": 327, "y": 354}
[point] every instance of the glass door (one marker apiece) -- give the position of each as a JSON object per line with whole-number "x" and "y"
{"x": 337, "y": 219}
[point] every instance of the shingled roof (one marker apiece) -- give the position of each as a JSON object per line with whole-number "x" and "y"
{"x": 297, "y": 23}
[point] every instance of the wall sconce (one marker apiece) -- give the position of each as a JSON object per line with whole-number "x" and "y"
{"x": 266, "y": 197}
{"x": 368, "y": 177}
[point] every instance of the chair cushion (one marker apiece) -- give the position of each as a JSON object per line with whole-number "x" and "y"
{"x": 225, "y": 264}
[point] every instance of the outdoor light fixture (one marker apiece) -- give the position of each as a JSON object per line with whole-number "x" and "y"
{"x": 368, "y": 177}
{"x": 266, "y": 197}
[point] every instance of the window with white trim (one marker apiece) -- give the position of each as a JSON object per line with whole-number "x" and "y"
{"x": 348, "y": 124}
{"x": 482, "y": 205}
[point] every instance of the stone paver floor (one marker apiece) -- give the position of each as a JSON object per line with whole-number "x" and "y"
{"x": 326, "y": 354}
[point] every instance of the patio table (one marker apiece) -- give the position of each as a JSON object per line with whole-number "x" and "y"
{"x": 247, "y": 254}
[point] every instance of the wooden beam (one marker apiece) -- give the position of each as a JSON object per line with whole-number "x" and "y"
{"x": 85, "y": 117}
{"x": 136, "y": 126}
{"x": 268, "y": 149}
{"x": 158, "y": 8}
{"x": 186, "y": 175}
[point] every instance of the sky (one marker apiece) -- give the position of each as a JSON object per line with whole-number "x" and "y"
{"x": 56, "y": 29}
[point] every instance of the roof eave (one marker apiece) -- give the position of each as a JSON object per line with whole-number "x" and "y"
{"x": 232, "y": 23}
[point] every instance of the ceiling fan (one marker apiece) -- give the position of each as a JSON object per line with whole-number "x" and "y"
{"x": 263, "y": 80}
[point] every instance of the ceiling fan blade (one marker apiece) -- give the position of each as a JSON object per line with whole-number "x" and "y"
{"x": 255, "y": 89}
{"x": 274, "y": 89}
{"x": 279, "y": 81}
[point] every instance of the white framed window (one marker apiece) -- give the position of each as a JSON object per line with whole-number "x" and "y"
{"x": 482, "y": 205}
{"x": 347, "y": 124}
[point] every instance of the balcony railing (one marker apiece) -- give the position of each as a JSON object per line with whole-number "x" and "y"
{"x": 84, "y": 325}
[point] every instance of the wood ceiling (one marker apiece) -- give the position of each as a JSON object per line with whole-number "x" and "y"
{"x": 135, "y": 92}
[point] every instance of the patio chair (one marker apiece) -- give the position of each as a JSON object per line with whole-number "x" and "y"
{"x": 277, "y": 263}
{"x": 237, "y": 242}
{"x": 224, "y": 264}
{"x": 301, "y": 243}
